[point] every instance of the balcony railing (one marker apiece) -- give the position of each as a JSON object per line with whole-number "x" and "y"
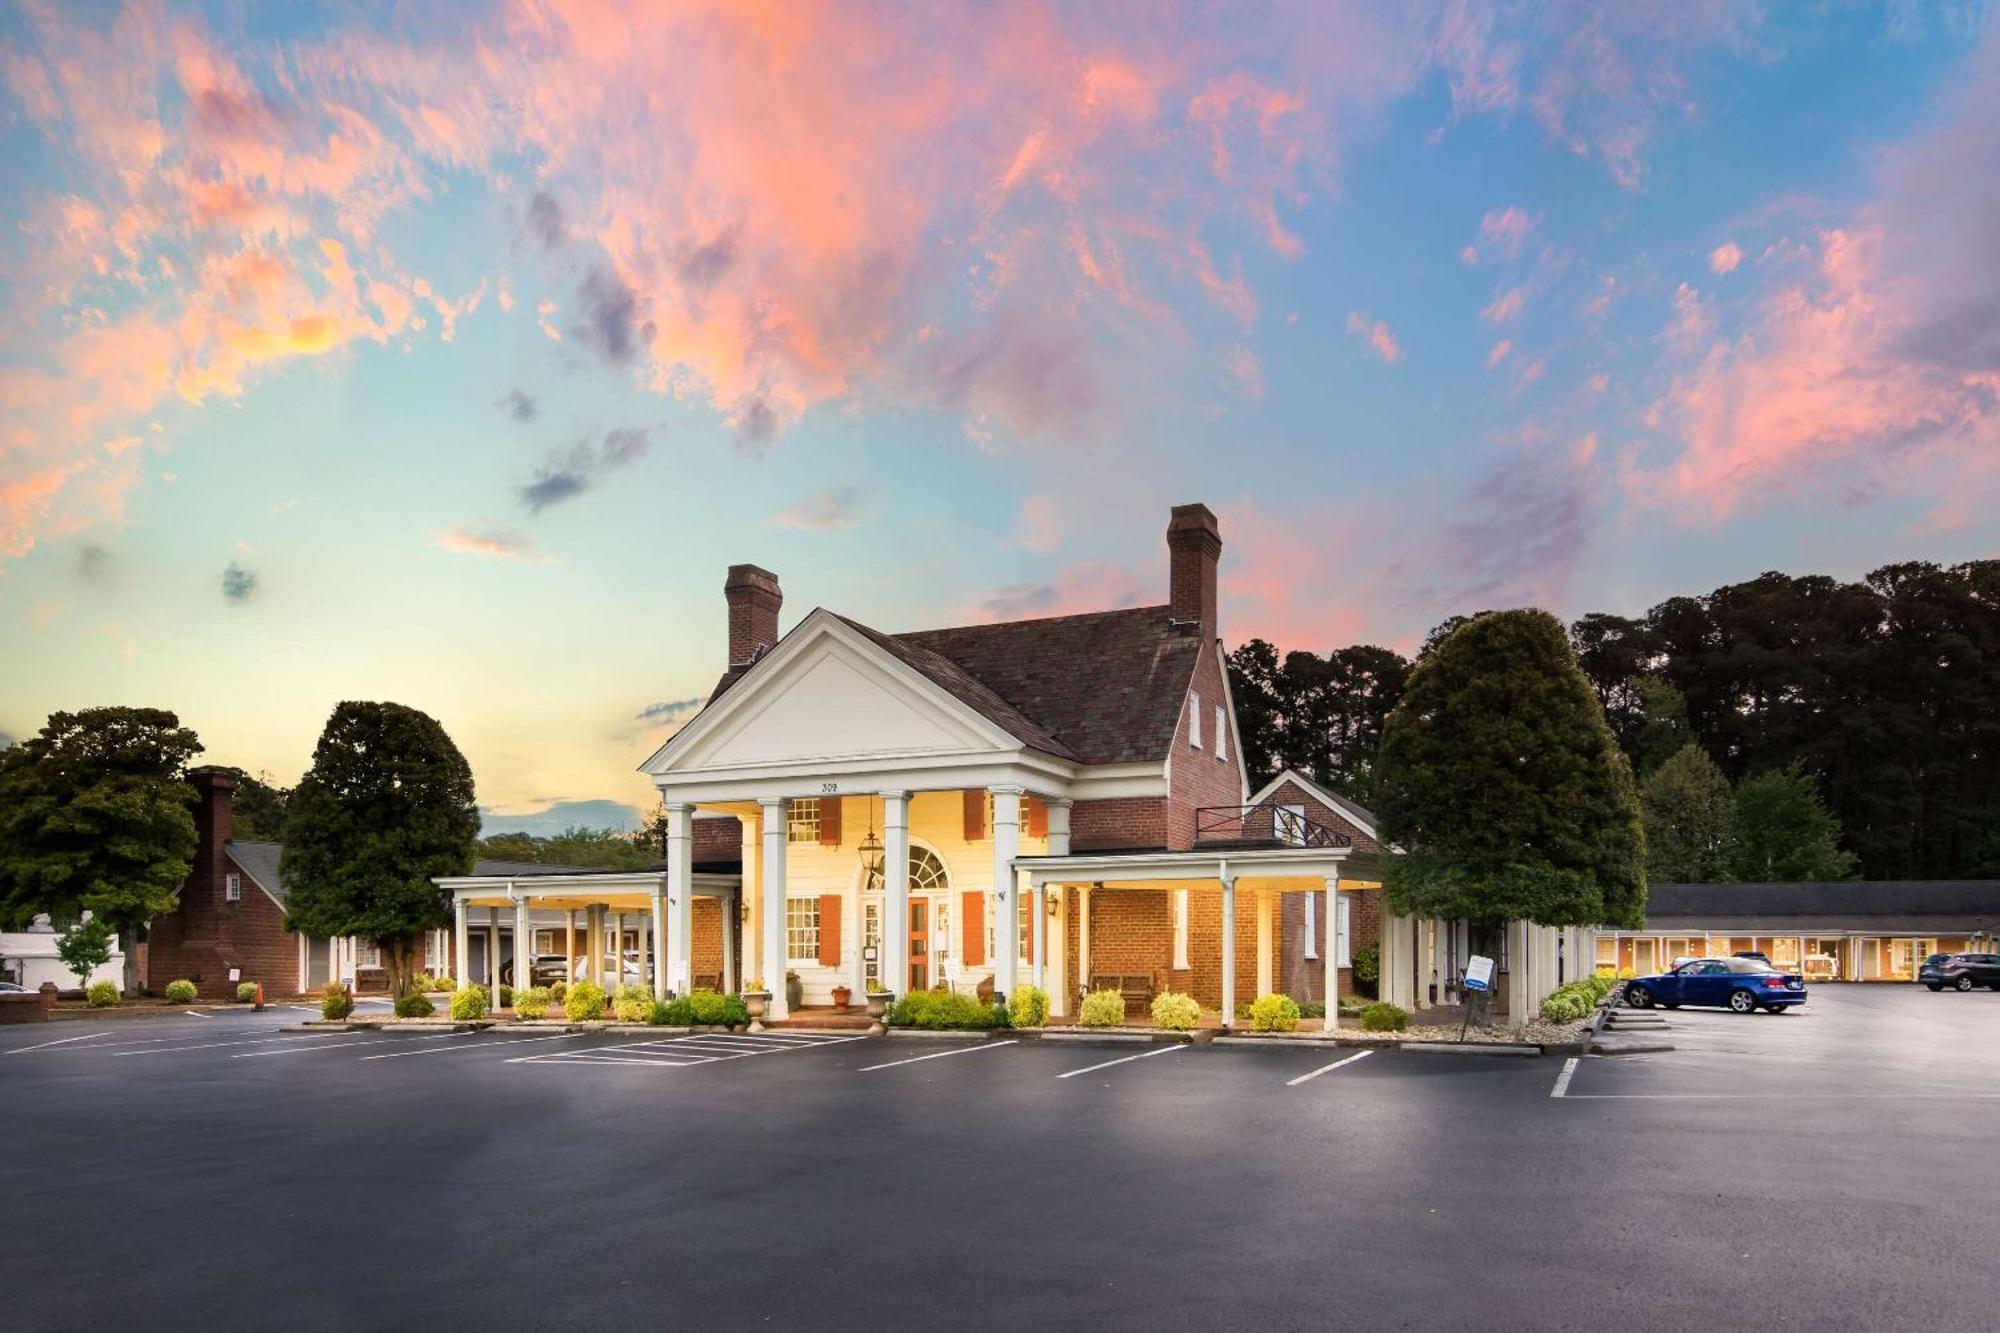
{"x": 1262, "y": 826}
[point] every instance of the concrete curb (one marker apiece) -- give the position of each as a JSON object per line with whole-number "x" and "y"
{"x": 1472, "y": 1048}
{"x": 1118, "y": 1038}
{"x": 1636, "y": 1048}
{"x": 945, "y": 1034}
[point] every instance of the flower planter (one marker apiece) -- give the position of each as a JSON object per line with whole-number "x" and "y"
{"x": 842, "y": 998}
{"x": 756, "y": 1002}
{"x": 878, "y": 1009}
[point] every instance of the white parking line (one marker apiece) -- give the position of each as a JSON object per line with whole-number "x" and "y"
{"x": 470, "y": 1046}
{"x": 59, "y": 1041}
{"x": 1327, "y": 1069}
{"x": 1123, "y": 1059}
{"x": 316, "y": 1046}
{"x": 207, "y": 1046}
{"x": 675, "y": 1052}
{"x": 939, "y": 1055}
{"x": 1561, "y": 1089}
{"x": 196, "y": 1013}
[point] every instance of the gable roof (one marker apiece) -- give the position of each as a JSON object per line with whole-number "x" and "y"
{"x": 259, "y": 860}
{"x": 1333, "y": 800}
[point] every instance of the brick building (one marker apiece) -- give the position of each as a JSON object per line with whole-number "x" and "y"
{"x": 1067, "y": 795}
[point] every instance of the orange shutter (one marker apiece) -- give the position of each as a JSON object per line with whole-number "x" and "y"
{"x": 975, "y": 815}
{"x": 829, "y": 930}
{"x": 1038, "y": 816}
{"x": 829, "y": 821}
{"x": 973, "y": 916}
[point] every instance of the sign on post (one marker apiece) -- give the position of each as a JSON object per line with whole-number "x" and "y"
{"x": 1479, "y": 973}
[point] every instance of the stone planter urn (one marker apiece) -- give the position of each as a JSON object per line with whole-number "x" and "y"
{"x": 756, "y": 1002}
{"x": 878, "y": 1009}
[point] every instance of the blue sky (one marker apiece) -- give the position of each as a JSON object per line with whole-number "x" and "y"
{"x": 449, "y": 356}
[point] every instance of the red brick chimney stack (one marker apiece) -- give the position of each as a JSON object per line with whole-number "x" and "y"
{"x": 754, "y": 600}
{"x": 215, "y": 815}
{"x": 1194, "y": 543}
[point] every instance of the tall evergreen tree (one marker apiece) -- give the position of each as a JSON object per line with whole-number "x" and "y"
{"x": 96, "y": 816}
{"x": 387, "y": 804}
{"x": 1501, "y": 779}
{"x": 1690, "y": 816}
{"x": 1784, "y": 831}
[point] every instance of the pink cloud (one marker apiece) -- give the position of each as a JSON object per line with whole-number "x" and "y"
{"x": 490, "y": 541}
{"x": 1376, "y": 335}
{"x": 1725, "y": 257}
{"x": 1503, "y": 230}
{"x": 1499, "y": 352}
{"x": 1506, "y": 307}
{"x": 824, "y": 510}
{"x": 1041, "y": 525}
{"x": 1248, "y": 372}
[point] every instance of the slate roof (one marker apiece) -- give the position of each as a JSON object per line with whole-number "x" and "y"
{"x": 1868, "y": 904}
{"x": 259, "y": 860}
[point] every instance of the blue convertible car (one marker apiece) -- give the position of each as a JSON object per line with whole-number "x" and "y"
{"x": 1743, "y": 984}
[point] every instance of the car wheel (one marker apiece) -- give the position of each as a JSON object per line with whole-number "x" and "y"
{"x": 1934, "y": 987}
{"x": 1965, "y": 983}
{"x": 1742, "y": 1001}
{"x": 1639, "y": 998}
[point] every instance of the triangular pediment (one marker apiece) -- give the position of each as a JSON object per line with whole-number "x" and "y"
{"x": 826, "y": 694}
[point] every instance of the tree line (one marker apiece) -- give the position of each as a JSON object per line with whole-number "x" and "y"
{"x": 1781, "y": 728}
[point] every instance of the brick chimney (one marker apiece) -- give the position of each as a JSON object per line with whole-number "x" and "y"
{"x": 203, "y": 919}
{"x": 213, "y": 818}
{"x": 754, "y": 599}
{"x": 1194, "y": 543}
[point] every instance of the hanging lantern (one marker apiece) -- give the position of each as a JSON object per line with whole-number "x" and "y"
{"x": 871, "y": 855}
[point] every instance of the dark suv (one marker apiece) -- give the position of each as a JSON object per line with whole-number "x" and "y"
{"x": 1960, "y": 971}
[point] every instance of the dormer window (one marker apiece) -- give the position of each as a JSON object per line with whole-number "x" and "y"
{"x": 232, "y": 888}
{"x": 1194, "y": 721}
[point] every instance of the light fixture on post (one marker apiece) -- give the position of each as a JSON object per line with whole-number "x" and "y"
{"x": 871, "y": 854}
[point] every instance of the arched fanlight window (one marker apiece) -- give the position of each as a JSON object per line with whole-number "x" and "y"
{"x": 926, "y": 871}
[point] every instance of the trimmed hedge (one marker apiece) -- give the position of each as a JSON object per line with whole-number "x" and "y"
{"x": 532, "y": 1002}
{"x": 337, "y": 1005}
{"x": 1274, "y": 1013}
{"x": 246, "y": 992}
{"x": 1384, "y": 1017}
{"x": 414, "y": 1005}
{"x": 584, "y": 1002}
{"x": 634, "y": 1004}
{"x": 1102, "y": 1009}
{"x": 1028, "y": 1007}
{"x": 707, "y": 1007}
{"x": 468, "y": 1002}
{"x": 1566, "y": 1004}
{"x": 938, "y": 1010}
{"x": 1175, "y": 1011}
{"x": 180, "y": 992}
{"x": 102, "y": 994}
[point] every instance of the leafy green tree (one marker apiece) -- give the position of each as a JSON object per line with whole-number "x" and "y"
{"x": 387, "y": 804}
{"x": 1785, "y": 832}
{"x": 1320, "y": 715}
{"x": 96, "y": 816}
{"x": 509, "y": 847}
{"x": 1501, "y": 780}
{"x": 1690, "y": 816}
{"x": 85, "y": 947}
{"x": 257, "y": 807}
{"x": 1659, "y": 724}
{"x": 596, "y": 849}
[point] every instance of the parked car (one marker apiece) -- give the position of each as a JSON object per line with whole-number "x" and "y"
{"x": 1757, "y": 954}
{"x": 1741, "y": 984}
{"x": 12, "y": 988}
{"x": 546, "y": 970}
{"x": 1960, "y": 971}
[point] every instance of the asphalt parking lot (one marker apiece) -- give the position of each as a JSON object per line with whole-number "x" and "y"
{"x": 1802, "y": 1171}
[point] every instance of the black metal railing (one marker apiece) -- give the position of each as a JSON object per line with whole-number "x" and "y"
{"x": 1263, "y": 826}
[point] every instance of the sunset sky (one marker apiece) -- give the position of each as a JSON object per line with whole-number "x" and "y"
{"x": 447, "y": 353}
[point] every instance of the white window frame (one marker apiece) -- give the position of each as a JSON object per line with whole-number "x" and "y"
{"x": 1288, "y": 824}
{"x": 1024, "y": 920}
{"x": 232, "y": 888}
{"x": 1312, "y": 929}
{"x": 802, "y": 819}
{"x": 1344, "y": 938}
{"x": 367, "y": 954}
{"x": 1179, "y": 908}
{"x": 1194, "y": 720}
{"x": 802, "y": 934}
{"x": 1221, "y": 734}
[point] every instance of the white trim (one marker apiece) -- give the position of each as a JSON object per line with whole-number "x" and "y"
{"x": 1194, "y": 719}
{"x": 1346, "y": 809}
{"x": 1229, "y": 697}
{"x": 1221, "y": 733}
{"x": 276, "y": 901}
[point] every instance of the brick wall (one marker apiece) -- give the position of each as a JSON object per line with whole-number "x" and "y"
{"x": 1197, "y": 778}
{"x": 248, "y": 934}
{"x": 1289, "y": 792}
{"x": 1305, "y": 979}
{"x": 1132, "y": 933}
{"x": 1118, "y": 822}
{"x": 718, "y": 840}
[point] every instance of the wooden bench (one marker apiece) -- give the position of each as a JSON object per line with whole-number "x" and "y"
{"x": 708, "y": 981}
{"x": 1136, "y": 987}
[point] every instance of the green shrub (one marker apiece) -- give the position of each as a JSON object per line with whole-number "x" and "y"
{"x": 707, "y": 1006}
{"x": 1566, "y": 1006}
{"x": 1384, "y": 1017}
{"x": 338, "y": 1004}
{"x": 634, "y": 1004}
{"x": 584, "y": 1002}
{"x": 1312, "y": 1009}
{"x": 532, "y": 1002}
{"x": 1274, "y": 1013}
{"x": 937, "y": 1010}
{"x": 506, "y": 997}
{"x": 104, "y": 994}
{"x": 180, "y": 992}
{"x": 468, "y": 1002}
{"x": 1028, "y": 1007}
{"x": 1350, "y": 1005}
{"x": 559, "y": 992}
{"x": 246, "y": 992}
{"x": 1367, "y": 969}
{"x": 1175, "y": 1011}
{"x": 677, "y": 1012}
{"x": 1102, "y": 1009}
{"x": 414, "y": 1005}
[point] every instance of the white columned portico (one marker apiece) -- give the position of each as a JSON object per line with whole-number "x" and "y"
{"x": 524, "y": 945}
{"x": 461, "y": 932}
{"x": 1006, "y": 927}
{"x": 569, "y": 946}
{"x": 680, "y": 895}
{"x": 659, "y": 951}
{"x": 896, "y": 891}
{"x": 493, "y": 956}
{"x": 1228, "y": 950}
{"x": 1331, "y": 952}
{"x": 774, "y": 902}
{"x": 732, "y": 929}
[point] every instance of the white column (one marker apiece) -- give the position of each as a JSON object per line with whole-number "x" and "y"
{"x": 680, "y": 896}
{"x": 855, "y": 937}
{"x": 1329, "y": 950}
{"x": 896, "y": 891}
{"x": 460, "y": 933}
{"x": 1265, "y": 932}
{"x": 732, "y": 929}
{"x": 618, "y": 952}
{"x": 1228, "y": 951}
{"x": 774, "y": 902}
{"x": 593, "y": 944}
{"x": 1082, "y": 940}
{"x": 1038, "y": 924}
{"x": 569, "y": 945}
{"x": 1058, "y": 808}
{"x": 524, "y": 946}
{"x": 659, "y": 946}
{"x": 1006, "y": 906}
{"x": 493, "y": 956}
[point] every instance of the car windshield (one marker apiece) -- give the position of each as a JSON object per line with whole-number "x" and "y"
{"x": 1750, "y": 965}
